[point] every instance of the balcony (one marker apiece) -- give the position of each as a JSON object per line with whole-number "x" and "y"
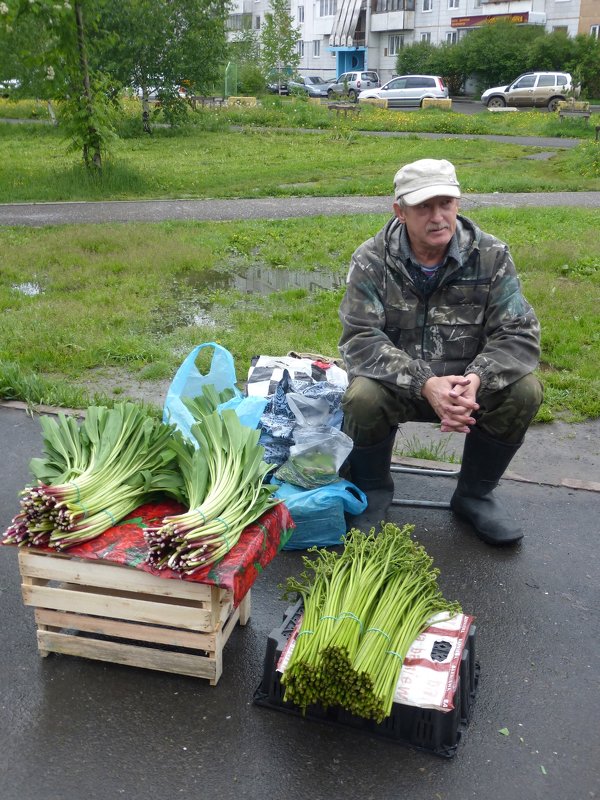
{"x": 346, "y": 23}
{"x": 393, "y": 21}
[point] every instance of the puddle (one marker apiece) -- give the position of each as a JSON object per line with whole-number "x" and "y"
{"x": 194, "y": 291}
{"x": 29, "y": 288}
{"x": 260, "y": 280}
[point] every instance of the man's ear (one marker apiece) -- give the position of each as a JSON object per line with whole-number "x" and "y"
{"x": 399, "y": 212}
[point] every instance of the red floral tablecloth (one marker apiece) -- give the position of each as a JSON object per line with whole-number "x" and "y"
{"x": 258, "y": 545}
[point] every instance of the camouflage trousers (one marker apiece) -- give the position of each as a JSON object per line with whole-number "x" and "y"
{"x": 371, "y": 408}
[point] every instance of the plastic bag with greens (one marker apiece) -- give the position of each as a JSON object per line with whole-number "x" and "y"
{"x": 315, "y": 458}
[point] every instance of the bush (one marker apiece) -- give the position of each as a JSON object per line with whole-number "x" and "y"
{"x": 251, "y": 80}
{"x": 496, "y": 54}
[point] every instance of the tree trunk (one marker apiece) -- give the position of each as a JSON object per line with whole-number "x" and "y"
{"x": 91, "y": 148}
{"x": 145, "y": 111}
{"x": 51, "y": 113}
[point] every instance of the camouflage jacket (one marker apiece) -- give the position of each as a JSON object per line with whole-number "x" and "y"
{"x": 475, "y": 321}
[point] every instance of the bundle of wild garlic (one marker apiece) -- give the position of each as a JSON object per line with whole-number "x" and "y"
{"x": 94, "y": 474}
{"x": 225, "y": 492}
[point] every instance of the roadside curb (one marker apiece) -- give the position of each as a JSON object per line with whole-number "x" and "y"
{"x": 417, "y": 463}
{"x": 445, "y": 466}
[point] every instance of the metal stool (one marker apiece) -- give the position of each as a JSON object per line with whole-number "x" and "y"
{"x": 416, "y": 471}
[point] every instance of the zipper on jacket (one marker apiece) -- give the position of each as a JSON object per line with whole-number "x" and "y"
{"x": 425, "y": 315}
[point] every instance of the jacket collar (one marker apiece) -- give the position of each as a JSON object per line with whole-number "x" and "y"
{"x": 464, "y": 242}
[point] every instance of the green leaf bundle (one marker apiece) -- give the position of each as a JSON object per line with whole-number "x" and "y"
{"x": 225, "y": 489}
{"x": 93, "y": 475}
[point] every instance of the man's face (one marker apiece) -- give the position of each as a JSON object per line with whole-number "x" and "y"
{"x": 430, "y": 225}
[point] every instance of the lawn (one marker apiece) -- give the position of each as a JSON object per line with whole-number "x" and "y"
{"x": 136, "y": 298}
{"x": 210, "y": 160}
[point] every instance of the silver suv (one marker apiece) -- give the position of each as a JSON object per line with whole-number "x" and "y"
{"x": 353, "y": 83}
{"x": 532, "y": 89}
{"x": 407, "y": 90}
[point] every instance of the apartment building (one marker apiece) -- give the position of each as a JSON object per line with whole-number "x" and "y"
{"x": 340, "y": 35}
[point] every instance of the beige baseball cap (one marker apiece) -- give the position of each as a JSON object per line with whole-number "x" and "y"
{"x": 421, "y": 180}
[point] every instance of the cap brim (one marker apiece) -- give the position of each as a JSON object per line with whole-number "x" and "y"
{"x": 421, "y": 195}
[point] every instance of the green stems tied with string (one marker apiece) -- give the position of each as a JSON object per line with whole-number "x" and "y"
{"x": 94, "y": 474}
{"x": 363, "y": 608}
{"x": 225, "y": 492}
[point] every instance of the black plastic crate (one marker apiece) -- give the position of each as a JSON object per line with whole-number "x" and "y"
{"x": 425, "y": 729}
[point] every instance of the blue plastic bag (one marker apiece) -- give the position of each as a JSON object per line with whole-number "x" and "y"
{"x": 319, "y": 513}
{"x": 188, "y": 382}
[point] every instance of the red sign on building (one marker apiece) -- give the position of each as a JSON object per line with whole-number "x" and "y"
{"x": 488, "y": 19}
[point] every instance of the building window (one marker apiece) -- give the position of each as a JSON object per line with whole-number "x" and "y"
{"x": 239, "y": 22}
{"x": 427, "y": 5}
{"x": 452, "y": 37}
{"x": 395, "y": 44}
{"x": 257, "y": 23}
{"x": 595, "y": 31}
{"x": 300, "y": 13}
{"x": 394, "y": 5}
{"x": 426, "y": 37}
{"x": 301, "y": 48}
{"x": 317, "y": 48}
{"x": 327, "y": 8}
{"x": 560, "y": 29}
{"x": 453, "y": 3}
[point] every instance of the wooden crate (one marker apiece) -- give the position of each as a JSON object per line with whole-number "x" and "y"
{"x": 115, "y": 613}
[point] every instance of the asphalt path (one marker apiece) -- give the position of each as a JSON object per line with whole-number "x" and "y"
{"x": 41, "y": 214}
{"x": 76, "y": 728}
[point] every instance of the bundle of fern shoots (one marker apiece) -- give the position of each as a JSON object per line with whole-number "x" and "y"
{"x": 363, "y": 608}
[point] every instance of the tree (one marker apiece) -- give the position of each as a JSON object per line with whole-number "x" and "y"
{"x": 244, "y": 52}
{"x": 49, "y": 48}
{"x": 585, "y": 64}
{"x": 160, "y": 46}
{"x": 497, "y": 53}
{"x": 279, "y": 42}
{"x": 550, "y": 52}
{"x": 429, "y": 59}
{"x": 416, "y": 59}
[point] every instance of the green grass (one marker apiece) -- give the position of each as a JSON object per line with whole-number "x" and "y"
{"x": 120, "y": 296}
{"x": 199, "y": 162}
{"x": 35, "y": 167}
{"x": 429, "y": 450}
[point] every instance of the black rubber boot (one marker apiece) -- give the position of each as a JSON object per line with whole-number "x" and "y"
{"x": 484, "y": 461}
{"x": 369, "y": 469}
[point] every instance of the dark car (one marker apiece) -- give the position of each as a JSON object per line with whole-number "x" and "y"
{"x": 278, "y": 83}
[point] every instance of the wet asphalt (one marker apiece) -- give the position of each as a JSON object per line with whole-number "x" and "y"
{"x": 75, "y": 728}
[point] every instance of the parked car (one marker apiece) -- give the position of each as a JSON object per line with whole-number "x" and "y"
{"x": 532, "y": 89}
{"x": 8, "y": 87}
{"x": 351, "y": 84}
{"x": 154, "y": 92}
{"x": 278, "y": 83}
{"x": 408, "y": 90}
{"x": 312, "y": 85}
